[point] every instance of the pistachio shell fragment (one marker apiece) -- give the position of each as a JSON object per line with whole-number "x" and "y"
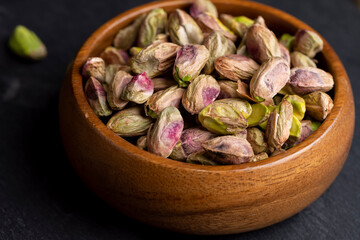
{"x": 200, "y": 158}
{"x": 190, "y": 60}
{"x": 259, "y": 157}
{"x": 318, "y": 105}
{"x": 141, "y": 143}
{"x": 153, "y": 24}
{"x": 183, "y": 29}
{"x": 115, "y": 89}
{"x": 228, "y": 89}
{"x": 139, "y": 89}
{"x": 166, "y": 132}
{"x": 298, "y": 104}
{"x": 200, "y": 93}
{"x": 256, "y": 138}
{"x": 301, "y": 60}
{"x": 94, "y": 67}
{"x": 129, "y": 122}
{"x": 260, "y": 113}
{"x": 113, "y": 55}
{"x": 228, "y": 150}
{"x": 126, "y": 37}
{"x": 96, "y": 96}
{"x": 308, "y": 43}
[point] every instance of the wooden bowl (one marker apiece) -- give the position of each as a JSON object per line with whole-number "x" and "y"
{"x": 199, "y": 199}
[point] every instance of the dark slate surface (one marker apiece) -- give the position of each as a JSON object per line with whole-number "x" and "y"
{"x": 40, "y": 195}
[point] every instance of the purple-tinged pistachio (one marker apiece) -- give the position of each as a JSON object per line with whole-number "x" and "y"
{"x": 239, "y": 25}
{"x": 261, "y": 43}
{"x": 269, "y": 79}
{"x": 259, "y": 114}
{"x": 141, "y": 143}
{"x": 202, "y": 6}
{"x": 209, "y": 23}
{"x": 228, "y": 89}
{"x": 96, "y": 97}
{"x": 113, "y": 55}
{"x": 287, "y": 41}
{"x": 126, "y": 37}
{"x": 135, "y": 51}
{"x": 94, "y": 67}
{"x": 163, "y": 99}
{"x": 285, "y": 54}
{"x": 162, "y": 83}
{"x": 153, "y": 24}
{"x": 318, "y": 105}
{"x": 115, "y": 89}
{"x": 277, "y": 152}
{"x": 111, "y": 70}
{"x": 259, "y": 157}
{"x": 228, "y": 150}
{"x": 236, "y": 67}
{"x": 183, "y": 29}
{"x": 200, "y": 159}
{"x": 306, "y": 131}
{"x": 279, "y": 125}
{"x": 129, "y": 122}
{"x": 305, "y": 80}
{"x": 155, "y": 59}
{"x": 308, "y": 43}
{"x": 139, "y": 89}
{"x": 298, "y": 104}
{"x": 218, "y": 45}
{"x": 190, "y": 60}
{"x": 299, "y": 59}
{"x": 256, "y": 138}
{"x": 200, "y": 93}
{"x": 166, "y": 132}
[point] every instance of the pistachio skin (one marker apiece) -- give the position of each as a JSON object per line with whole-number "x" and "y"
{"x": 308, "y": 43}
{"x": 126, "y": 37}
{"x": 200, "y": 159}
{"x": 94, "y": 67}
{"x": 256, "y": 138}
{"x": 228, "y": 89}
{"x": 202, "y": 6}
{"x": 113, "y": 55}
{"x": 96, "y": 96}
{"x": 115, "y": 89}
{"x": 318, "y": 105}
{"x": 299, "y": 59}
{"x": 138, "y": 90}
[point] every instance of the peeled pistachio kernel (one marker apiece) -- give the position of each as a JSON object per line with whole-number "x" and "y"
{"x": 113, "y": 55}
{"x": 304, "y": 80}
{"x": 228, "y": 150}
{"x": 261, "y": 43}
{"x": 94, "y": 67}
{"x": 129, "y": 122}
{"x": 209, "y": 23}
{"x": 218, "y": 45}
{"x": 200, "y": 93}
{"x": 155, "y": 59}
{"x": 259, "y": 157}
{"x": 200, "y": 158}
{"x": 161, "y": 83}
{"x": 301, "y": 60}
{"x": 239, "y": 25}
{"x": 202, "y": 6}
{"x": 138, "y": 90}
{"x": 308, "y": 43}
{"x": 269, "y": 79}
{"x": 134, "y": 51}
{"x": 126, "y": 36}
{"x": 25, "y": 43}
{"x": 141, "y": 143}
{"x": 166, "y": 132}
{"x": 241, "y": 105}
{"x": 256, "y": 138}
{"x": 115, "y": 89}
{"x": 295, "y": 130}
{"x": 306, "y": 131}
{"x": 183, "y": 29}
{"x": 260, "y": 113}
{"x": 228, "y": 89}
{"x": 190, "y": 60}
{"x": 153, "y": 24}
{"x": 96, "y": 96}
{"x": 236, "y": 67}
{"x": 163, "y": 99}
{"x": 318, "y": 105}
{"x": 298, "y": 104}
{"x": 287, "y": 41}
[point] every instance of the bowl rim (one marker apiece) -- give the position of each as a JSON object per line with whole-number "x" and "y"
{"x": 337, "y": 70}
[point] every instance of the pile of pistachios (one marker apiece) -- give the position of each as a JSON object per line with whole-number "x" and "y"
{"x": 179, "y": 84}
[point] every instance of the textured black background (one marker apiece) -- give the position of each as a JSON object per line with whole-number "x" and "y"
{"x": 40, "y": 195}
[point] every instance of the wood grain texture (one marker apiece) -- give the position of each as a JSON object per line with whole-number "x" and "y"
{"x": 204, "y": 199}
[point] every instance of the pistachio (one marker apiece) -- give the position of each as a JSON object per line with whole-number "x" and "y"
{"x": 113, "y": 55}
{"x": 314, "y": 125}
{"x": 134, "y": 51}
{"x": 244, "y": 91}
{"x": 298, "y": 104}
{"x": 295, "y": 130}
{"x": 153, "y": 24}
{"x": 190, "y": 60}
{"x": 259, "y": 114}
{"x": 269, "y": 79}
{"x": 259, "y": 157}
{"x": 96, "y": 97}
{"x": 308, "y": 42}
{"x": 155, "y": 59}
{"x": 94, "y": 67}
{"x": 126, "y": 37}
{"x": 166, "y": 132}
{"x": 277, "y": 152}
{"x": 306, "y": 131}
{"x": 285, "y": 54}
{"x": 111, "y": 70}
{"x": 241, "y": 134}
{"x": 218, "y": 45}
{"x": 25, "y": 43}
{"x": 260, "y": 20}
{"x": 228, "y": 89}
{"x": 287, "y": 41}
{"x": 200, "y": 93}
{"x": 277, "y": 99}
{"x": 301, "y": 60}
{"x": 183, "y": 29}
{"x": 202, "y": 6}
{"x": 141, "y": 143}
{"x": 261, "y": 43}
{"x": 228, "y": 150}
{"x": 115, "y": 89}
{"x": 256, "y": 138}
{"x": 318, "y": 105}
{"x": 163, "y": 99}
{"x": 236, "y": 67}
{"x": 209, "y": 23}
{"x": 129, "y": 122}
{"x": 239, "y": 25}
{"x": 161, "y": 38}
{"x": 178, "y": 152}
{"x": 162, "y": 83}
{"x": 200, "y": 158}
{"x": 138, "y": 90}
{"x": 304, "y": 80}
{"x": 242, "y": 105}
